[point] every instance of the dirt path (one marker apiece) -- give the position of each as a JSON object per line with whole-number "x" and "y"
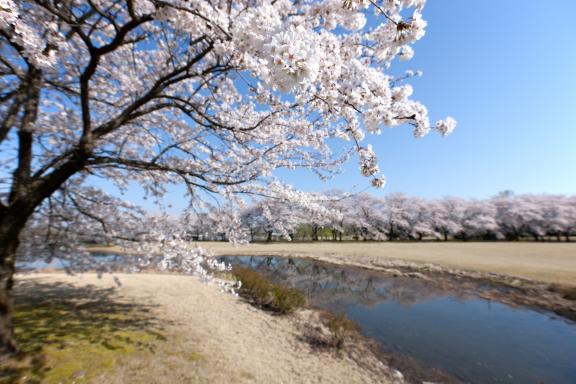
{"x": 546, "y": 262}
{"x": 217, "y": 338}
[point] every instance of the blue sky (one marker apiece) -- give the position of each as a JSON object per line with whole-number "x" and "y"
{"x": 506, "y": 70}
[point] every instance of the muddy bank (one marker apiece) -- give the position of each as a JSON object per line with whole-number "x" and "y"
{"x": 513, "y": 291}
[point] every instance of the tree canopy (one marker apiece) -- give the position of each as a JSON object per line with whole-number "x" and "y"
{"x": 216, "y": 95}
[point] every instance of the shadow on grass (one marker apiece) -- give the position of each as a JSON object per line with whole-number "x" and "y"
{"x": 70, "y": 334}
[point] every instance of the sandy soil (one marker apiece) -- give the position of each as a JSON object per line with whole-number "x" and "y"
{"x": 546, "y": 262}
{"x": 236, "y": 342}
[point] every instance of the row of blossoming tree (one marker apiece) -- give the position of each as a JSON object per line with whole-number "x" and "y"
{"x": 401, "y": 217}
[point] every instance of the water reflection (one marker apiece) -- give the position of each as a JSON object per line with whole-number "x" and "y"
{"x": 323, "y": 283}
{"x": 95, "y": 261}
{"x": 477, "y": 340}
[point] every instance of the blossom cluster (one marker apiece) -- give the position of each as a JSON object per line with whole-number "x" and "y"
{"x": 368, "y": 162}
{"x": 214, "y": 96}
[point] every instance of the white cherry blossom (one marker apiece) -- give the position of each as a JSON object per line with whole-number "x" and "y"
{"x": 215, "y": 96}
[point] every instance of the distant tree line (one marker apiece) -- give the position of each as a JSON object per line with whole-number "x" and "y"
{"x": 400, "y": 217}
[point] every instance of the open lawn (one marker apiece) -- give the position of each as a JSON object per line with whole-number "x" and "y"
{"x": 548, "y": 262}
{"x": 158, "y": 328}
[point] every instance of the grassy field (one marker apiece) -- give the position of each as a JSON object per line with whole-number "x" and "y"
{"x": 164, "y": 329}
{"x": 548, "y": 262}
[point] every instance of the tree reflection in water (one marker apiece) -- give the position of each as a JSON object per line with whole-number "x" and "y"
{"x": 439, "y": 324}
{"x": 335, "y": 285}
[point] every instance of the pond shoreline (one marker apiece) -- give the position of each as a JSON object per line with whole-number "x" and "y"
{"x": 509, "y": 290}
{"x": 456, "y": 325}
{"x": 512, "y": 291}
{"x": 506, "y": 288}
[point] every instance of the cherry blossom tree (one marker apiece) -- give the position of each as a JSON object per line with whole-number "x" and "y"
{"x": 558, "y": 215}
{"x": 360, "y": 215}
{"x": 212, "y": 94}
{"x": 535, "y": 215}
{"x": 253, "y": 220}
{"x": 270, "y": 216}
{"x": 364, "y": 216}
{"x": 479, "y": 220}
{"x": 420, "y": 217}
{"x": 317, "y": 220}
{"x": 570, "y": 212}
{"x": 448, "y": 216}
{"x": 518, "y": 216}
{"x": 344, "y": 204}
{"x": 371, "y": 220}
{"x": 396, "y": 213}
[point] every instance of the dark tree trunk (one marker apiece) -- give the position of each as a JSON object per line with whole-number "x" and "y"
{"x": 315, "y": 231}
{"x": 10, "y": 228}
{"x": 391, "y": 234}
{"x": 7, "y": 256}
{"x": 22, "y": 203}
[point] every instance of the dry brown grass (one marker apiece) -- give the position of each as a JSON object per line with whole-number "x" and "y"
{"x": 548, "y": 262}
{"x": 210, "y": 337}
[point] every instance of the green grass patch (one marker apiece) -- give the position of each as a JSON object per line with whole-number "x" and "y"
{"x": 191, "y": 356}
{"x": 72, "y": 335}
{"x": 262, "y": 292}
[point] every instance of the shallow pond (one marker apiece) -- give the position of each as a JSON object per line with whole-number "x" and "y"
{"x": 55, "y": 263}
{"x": 476, "y": 340}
